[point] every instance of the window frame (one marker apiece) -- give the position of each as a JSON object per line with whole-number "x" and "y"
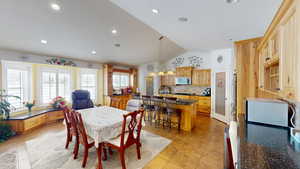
{"x": 120, "y": 74}
{"x": 55, "y": 70}
{"x": 89, "y": 71}
{"x": 28, "y": 86}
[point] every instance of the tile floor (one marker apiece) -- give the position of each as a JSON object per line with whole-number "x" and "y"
{"x": 200, "y": 149}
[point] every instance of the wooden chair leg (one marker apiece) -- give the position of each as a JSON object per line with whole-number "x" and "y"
{"x": 68, "y": 140}
{"x": 104, "y": 154}
{"x": 110, "y": 151}
{"x": 76, "y": 147}
{"x": 99, "y": 151}
{"x": 85, "y": 156}
{"x": 138, "y": 150}
{"x": 122, "y": 159}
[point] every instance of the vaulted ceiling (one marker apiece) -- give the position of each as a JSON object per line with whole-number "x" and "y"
{"x": 80, "y": 27}
{"x": 211, "y": 24}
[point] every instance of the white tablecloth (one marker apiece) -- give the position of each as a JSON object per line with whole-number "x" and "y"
{"x": 102, "y": 123}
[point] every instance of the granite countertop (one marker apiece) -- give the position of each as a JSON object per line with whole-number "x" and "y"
{"x": 189, "y": 94}
{"x": 266, "y": 147}
{"x": 185, "y": 102}
{"x": 30, "y": 115}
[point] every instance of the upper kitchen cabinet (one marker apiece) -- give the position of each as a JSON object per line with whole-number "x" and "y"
{"x": 288, "y": 56}
{"x": 201, "y": 77}
{"x": 184, "y": 72}
{"x": 278, "y": 52}
{"x": 167, "y": 80}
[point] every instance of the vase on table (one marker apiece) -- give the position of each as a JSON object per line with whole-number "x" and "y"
{"x": 29, "y": 110}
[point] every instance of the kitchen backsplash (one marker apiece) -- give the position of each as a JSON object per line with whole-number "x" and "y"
{"x": 188, "y": 89}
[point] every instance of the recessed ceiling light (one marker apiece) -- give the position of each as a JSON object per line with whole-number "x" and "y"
{"x": 183, "y": 19}
{"x": 44, "y": 42}
{"x": 94, "y": 52}
{"x": 231, "y": 1}
{"x": 55, "y": 6}
{"x": 114, "y": 31}
{"x": 155, "y": 11}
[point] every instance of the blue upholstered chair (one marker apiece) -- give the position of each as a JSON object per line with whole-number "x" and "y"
{"x": 81, "y": 100}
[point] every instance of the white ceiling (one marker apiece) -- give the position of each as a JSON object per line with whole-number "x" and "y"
{"x": 211, "y": 23}
{"x": 80, "y": 27}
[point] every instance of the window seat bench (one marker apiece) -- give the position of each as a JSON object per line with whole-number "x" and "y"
{"x": 26, "y": 122}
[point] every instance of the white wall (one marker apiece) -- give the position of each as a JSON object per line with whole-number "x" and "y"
{"x": 144, "y": 71}
{"x": 31, "y": 58}
{"x": 200, "y": 60}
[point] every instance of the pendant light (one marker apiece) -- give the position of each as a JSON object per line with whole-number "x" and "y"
{"x": 160, "y": 72}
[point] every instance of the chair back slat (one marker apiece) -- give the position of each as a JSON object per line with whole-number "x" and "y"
{"x": 146, "y": 101}
{"x": 169, "y": 101}
{"x": 80, "y": 127}
{"x": 66, "y": 111}
{"x": 133, "y": 125}
{"x": 158, "y": 102}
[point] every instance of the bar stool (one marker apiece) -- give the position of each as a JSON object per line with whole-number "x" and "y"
{"x": 170, "y": 111}
{"x": 158, "y": 102}
{"x": 148, "y": 107}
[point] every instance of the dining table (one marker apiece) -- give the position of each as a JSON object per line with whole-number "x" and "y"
{"x": 102, "y": 124}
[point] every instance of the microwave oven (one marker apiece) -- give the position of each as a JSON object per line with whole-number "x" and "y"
{"x": 183, "y": 81}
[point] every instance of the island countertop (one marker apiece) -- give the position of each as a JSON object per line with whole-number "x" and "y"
{"x": 266, "y": 147}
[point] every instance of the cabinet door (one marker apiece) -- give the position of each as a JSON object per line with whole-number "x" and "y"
{"x": 163, "y": 80}
{"x": 195, "y": 78}
{"x": 171, "y": 80}
{"x": 288, "y": 57}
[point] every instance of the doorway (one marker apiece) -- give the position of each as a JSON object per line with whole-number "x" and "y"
{"x": 149, "y": 86}
{"x": 222, "y": 96}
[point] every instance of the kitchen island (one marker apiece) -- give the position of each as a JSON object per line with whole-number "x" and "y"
{"x": 188, "y": 110}
{"x": 266, "y": 147}
{"x": 188, "y": 113}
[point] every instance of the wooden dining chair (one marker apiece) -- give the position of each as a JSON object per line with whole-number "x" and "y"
{"x": 71, "y": 129}
{"x": 74, "y": 131}
{"x": 84, "y": 139}
{"x": 228, "y": 161}
{"x": 130, "y": 135}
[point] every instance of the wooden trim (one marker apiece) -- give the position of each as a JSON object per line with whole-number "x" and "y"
{"x": 121, "y": 70}
{"x": 247, "y": 40}
{"x": 286, "y": 4}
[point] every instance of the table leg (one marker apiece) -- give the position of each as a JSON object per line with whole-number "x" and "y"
{"x": 99, "y": 151}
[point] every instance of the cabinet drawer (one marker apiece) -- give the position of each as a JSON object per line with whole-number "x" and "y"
{"x": 34, "y": 122}
{"x": 204, "y": 103}
{"x": 55, "y": 115}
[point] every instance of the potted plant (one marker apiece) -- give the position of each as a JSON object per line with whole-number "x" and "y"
{"x": 29, "y": 105}
{"x": 57, "y": 102}
{"x": 5, "y": 106}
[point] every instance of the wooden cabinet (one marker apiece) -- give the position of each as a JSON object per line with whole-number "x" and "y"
{"x": 21, "y": 125}
{"x": 123, "y": 100}
{"x": 288, "y": 56}
{"x": 184, "y": 72}
{"x": 277, "y": 54}
{"x": 167, "y": 80}
{"x": 55, "y": 115}
{"x": 34, "y": 122}
{"x": 201, "y": 77}
{"x": 203, "y": 105}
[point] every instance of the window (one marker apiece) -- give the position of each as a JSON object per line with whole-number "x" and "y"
{"x": 55, "y": 82}
{"x": 88, "y": 81}
{"x": 120, "y": 80}
{"x": 17, "y": 80}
